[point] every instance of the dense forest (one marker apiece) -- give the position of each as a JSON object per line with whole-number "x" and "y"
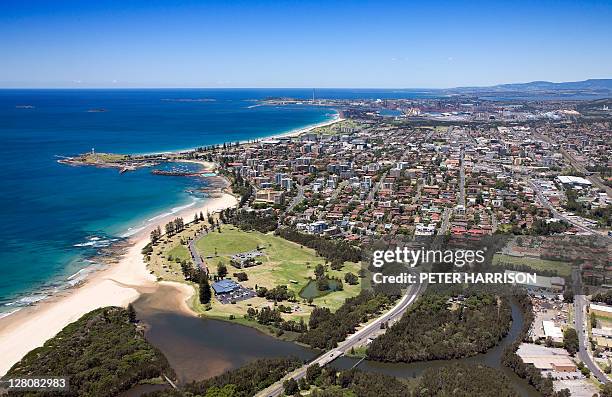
{"x": 464, "y": 380}
{"x": 245, "y": 381}
{"x": 102, "y": 353}
{"x": 434, "y": 329}
{"x": 251, "y": 220}
{"x": 457, "y": 380}
{"x": 326, "y": 329}
{"x": 336, "y": 251}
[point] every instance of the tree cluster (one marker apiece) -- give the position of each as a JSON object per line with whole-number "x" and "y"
{"x": 205, "y": 292}
{"x": 241, "y": 276}
{"x": 542, "y": 228}
{"x": 263, "y": 222}
{"x": 570, "y": 341}
{"x": 328, "y": 382}
{"x": 431, "y": 329}
{"x": 268, "y": 316}
{"x": 603, "y": 297}
{"x": 326, "y": 329}
{"x": 241, "y": 187}
{"x": 175, "y": 226}
{"x": 221, "y": 270}
{"x": 156, "y": 235}
{"x": 464, "y": 380}
{"x": 198, "y": 217}
{"x": 333, "y": 250}
{"x": 191, "y": 273}
{"x": 102, "y": 354}
{"x": 245, "y": 381}
{"x": 323, "y": 280}
{"x": 351, "y": 278}
{"x": 278, "y": 294}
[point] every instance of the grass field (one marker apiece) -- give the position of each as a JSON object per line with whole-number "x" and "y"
{"x": 179, "y": 251}
{"x": 336, "y": 128}
{"x": 564, "y": 269}
{"x": 102, "y": 157}
{"x": 284, "y": 263}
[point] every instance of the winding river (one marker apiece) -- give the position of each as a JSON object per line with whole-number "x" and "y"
{"x": 201, "y": 348}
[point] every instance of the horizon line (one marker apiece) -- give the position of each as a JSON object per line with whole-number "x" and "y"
{"x": 293, "y": 88}
{"x": 229, "y": 88}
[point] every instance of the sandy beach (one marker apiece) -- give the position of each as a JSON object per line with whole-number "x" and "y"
{"x": 116, "y": 285}
{"x": 299, "y": 131}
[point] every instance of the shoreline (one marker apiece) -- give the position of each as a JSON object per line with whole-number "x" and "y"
{"x": 299, "y": 131}
{"x": 116, "y": 284}
{"x": 114, "y": 247}
{"x": 287, "y": 134}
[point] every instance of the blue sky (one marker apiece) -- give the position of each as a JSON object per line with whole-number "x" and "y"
{"x": 381, "y": 44}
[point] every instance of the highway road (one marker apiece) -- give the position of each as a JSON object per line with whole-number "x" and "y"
{"x": 580, "y": 324}
{"x": 351, "y": 341}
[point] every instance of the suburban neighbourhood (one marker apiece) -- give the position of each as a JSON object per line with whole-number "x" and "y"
{"x": 536, "y": 176}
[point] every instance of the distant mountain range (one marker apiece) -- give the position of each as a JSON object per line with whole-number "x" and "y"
{"x": 598, "y": 87}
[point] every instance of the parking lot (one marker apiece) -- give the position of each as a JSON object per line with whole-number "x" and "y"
{"x": 240, "y": 293}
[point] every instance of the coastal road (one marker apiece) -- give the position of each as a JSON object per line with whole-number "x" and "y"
{"x": 352, "y": 340}
{"x": 580, "y": 323}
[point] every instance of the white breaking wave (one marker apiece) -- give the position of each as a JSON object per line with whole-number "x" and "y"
{"x": 6, "y": 314}
{"x": 96, "y": 242}
{"x": 133, "y": 230}
{"x": 26, "y": 300}
{"x": 76, "y": 274}
{"x": 173, "y": 211}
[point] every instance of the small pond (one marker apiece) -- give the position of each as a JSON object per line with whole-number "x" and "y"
{"x": 311, "y": 290}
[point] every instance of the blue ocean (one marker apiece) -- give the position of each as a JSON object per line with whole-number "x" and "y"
{"x": 55, "y": 217}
